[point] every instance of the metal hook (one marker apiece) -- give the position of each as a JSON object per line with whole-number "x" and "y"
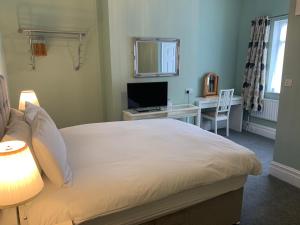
{"x": 77, "y": 67}
{"x": 32, "y": 54}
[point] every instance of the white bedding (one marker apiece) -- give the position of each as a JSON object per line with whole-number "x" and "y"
{"x": 121, "y": 165}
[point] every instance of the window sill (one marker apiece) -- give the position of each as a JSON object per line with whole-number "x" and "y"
{"x": 272, "y": 95}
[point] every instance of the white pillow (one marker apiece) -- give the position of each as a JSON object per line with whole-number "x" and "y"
{"x": 31, "y": 111}
{"x": 16, "y": 115}
{"x": 49, "y": 146}
{"x": 18, "y": 129}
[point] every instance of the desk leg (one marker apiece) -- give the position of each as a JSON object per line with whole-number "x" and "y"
{"x": 236, "y": 118}
{"x": 198, "y": 118}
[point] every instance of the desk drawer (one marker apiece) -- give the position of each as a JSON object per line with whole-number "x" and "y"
{"x": 214, "y": 104}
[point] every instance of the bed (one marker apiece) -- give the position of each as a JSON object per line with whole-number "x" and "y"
{"x": 161, "y": 172}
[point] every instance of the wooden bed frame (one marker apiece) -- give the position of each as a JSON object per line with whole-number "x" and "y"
{"x": 222, "y": 210}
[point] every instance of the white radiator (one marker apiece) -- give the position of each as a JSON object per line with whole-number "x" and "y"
{"x": 269, "y": 112}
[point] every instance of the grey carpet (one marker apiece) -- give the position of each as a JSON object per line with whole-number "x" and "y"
{"x": 267, "y": 200}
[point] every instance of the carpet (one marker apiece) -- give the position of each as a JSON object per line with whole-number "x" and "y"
{"x": 267, "y": 200}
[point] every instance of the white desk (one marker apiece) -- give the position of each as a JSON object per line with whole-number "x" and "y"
{"x": 236, "y": 113}
{"x": 176, "y": 112}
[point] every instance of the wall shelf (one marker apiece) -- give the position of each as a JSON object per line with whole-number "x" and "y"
{"x": 41, "y": 34}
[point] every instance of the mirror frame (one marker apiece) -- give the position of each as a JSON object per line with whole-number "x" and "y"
{"x": 206, "y": 91}
{"x": 136, "y": 57}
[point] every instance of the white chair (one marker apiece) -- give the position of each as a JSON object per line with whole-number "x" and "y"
{"x": 223, "y": 110}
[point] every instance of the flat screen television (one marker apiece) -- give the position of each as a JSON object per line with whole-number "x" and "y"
{"x": 146, "y": 95}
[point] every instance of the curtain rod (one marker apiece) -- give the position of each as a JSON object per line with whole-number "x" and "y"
{"x": 282, "y": 15}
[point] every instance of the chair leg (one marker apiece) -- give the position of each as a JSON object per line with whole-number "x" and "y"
{"x": 227, "y": 129}
{"x": 216, "y": 127}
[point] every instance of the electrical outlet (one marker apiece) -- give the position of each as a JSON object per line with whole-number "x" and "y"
{"x": 288, "y": 83}
{"x": 189, "y": 91}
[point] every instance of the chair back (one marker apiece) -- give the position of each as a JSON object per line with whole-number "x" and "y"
{"x": 225, "y": 100}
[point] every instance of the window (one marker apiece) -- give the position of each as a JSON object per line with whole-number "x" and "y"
{"x": 277, "y": 55}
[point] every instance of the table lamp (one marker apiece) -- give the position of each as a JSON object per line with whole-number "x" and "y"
{"x": 20, "y": 179}
{"x": 27, "y": 96}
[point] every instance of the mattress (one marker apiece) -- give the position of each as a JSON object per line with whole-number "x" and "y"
{"x": 123, "y": 166}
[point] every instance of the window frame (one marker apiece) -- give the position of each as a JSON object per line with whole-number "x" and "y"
{"x": 270, "y": 48}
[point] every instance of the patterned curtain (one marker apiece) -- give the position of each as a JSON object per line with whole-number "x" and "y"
{"x": 255, "y": 73}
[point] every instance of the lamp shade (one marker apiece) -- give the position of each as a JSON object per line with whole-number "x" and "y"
{"x": 27, "y": 96}
{"x": 20, "y": 179}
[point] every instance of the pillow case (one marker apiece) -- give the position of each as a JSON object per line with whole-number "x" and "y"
{"x": 48, "y": 145}
{"x": 16, "y": 115}
{"x": 18, "y": 129}
{"x": 31, "y": 111}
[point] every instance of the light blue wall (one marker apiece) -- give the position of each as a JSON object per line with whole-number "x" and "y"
{"x": 214, "y": 37}
{"x": 71, "y": 97}
{"x": 287, "y": 150}
{"x": 208, "y": 33}
{"x": 104, "y": 57}
{"x": 249, "y": 10}
{"x": 207, "y": 29}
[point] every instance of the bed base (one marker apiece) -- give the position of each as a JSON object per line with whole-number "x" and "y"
{"x": 222, "y": 210}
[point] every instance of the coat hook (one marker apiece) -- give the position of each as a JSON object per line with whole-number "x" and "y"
{"x": 77, "y": 67}
{"x": 32, "y": 54}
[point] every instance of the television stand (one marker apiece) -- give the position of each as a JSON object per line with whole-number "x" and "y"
{"x": 176, "y": 112}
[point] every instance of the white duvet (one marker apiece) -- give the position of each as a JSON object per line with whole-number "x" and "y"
{"x": 121, "y": 165}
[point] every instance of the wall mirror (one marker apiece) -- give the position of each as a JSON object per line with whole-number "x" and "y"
{"x": 210, "y": 84}
{"x": 156, "y": 57}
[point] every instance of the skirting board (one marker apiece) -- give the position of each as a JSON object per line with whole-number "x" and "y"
{"x": 258, "y": 129}
{"x": 285, "y": 173}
